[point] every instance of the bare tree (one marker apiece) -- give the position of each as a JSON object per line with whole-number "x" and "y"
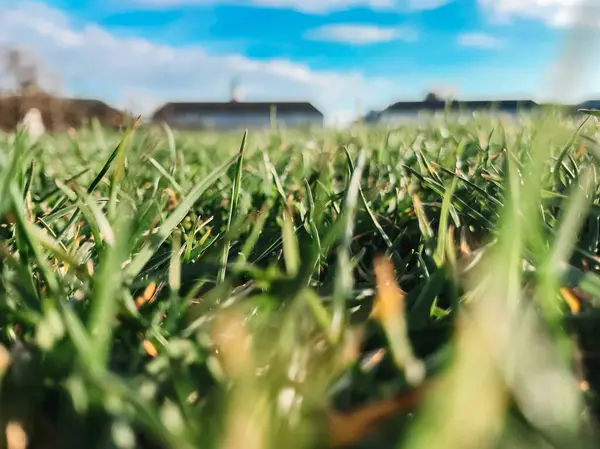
{"x": 22, "y": 68}
{"x": 38, "y": 87}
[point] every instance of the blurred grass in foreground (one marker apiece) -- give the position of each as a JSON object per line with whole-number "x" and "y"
{"x": 411, "y": 287}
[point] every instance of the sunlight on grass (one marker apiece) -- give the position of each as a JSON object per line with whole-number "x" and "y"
{"x": 433, "y": 285}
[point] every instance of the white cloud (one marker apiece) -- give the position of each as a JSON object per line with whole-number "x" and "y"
{"x": 305, "y": 6}
{"x": 360, "y": 34}
{"x": 479, "y": 40}
{"x": 556, "y": 13}
{"x": 94, "y": 61}
{"x": 573, "y": 73}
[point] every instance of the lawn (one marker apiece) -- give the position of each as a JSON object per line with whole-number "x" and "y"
{"x": 431, "y": 286}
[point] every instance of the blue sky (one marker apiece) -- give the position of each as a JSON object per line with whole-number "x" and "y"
{"x": 336, "y": 53}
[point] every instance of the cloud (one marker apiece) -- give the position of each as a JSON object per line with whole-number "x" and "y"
{"x": 93, "y": 61}
{"x": 555, "y": 13}
{"x": 479, "y": 40}
{"x": 360, "y": 34}
{"x": 305, "y": 6}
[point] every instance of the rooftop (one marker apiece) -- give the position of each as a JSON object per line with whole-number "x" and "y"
{"x": 235, "y": 107}
{"x": 434, "y": 102}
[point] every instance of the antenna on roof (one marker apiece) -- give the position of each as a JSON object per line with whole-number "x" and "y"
{"x": 235, "y": 94}
{"x": 358, "y": 106}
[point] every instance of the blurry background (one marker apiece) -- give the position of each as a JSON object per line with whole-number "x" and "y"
{"x": 346, "y": 57}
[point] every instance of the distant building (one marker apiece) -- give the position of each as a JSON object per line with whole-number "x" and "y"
{"x": 237, "y": 113}
{"x": 57, "y": 113}
{"x": 234, "y": 114}
{"x": 410, "y": 111}
{"x": 590, "y": 104}
{"x": 372, "y": 117}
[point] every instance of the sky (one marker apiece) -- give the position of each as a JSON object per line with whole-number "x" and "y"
{"x": 344, "y": 56}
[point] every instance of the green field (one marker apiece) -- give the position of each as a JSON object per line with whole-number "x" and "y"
{"x": 181, "y": 290}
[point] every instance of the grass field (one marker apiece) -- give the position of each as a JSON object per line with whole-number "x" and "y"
{"x": 294, "y": 288}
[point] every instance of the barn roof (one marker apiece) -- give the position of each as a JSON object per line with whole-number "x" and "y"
{"x": 590, "y": 104}
{"x": 233, "y": 107}
{"x": 57, "y": 112}
{"x": 435, "y": 103}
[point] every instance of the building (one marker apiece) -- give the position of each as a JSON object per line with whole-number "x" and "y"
{"x": 590, "y": 104}
{"x": 432, "y": 105}
{"x": 372, "y": 117}
{"x": 58, "y": 113}
{"x": 238, "y": 114}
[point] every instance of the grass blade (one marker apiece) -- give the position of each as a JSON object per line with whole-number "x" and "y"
{"x": 104, "y": 302}
{"x": 235, "y": 197}
{"x": 343, "y": 279}
{"x": 174, "y": 219}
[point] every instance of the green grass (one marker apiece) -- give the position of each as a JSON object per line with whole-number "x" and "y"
{"x": 183, "y": 290}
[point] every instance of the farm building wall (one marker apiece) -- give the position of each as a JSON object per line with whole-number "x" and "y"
{"x": 231, "y": 121}
{"x": 405, "y": 117}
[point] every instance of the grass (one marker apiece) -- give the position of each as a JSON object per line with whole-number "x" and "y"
{"x": 413, "y": 288}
